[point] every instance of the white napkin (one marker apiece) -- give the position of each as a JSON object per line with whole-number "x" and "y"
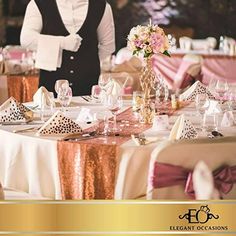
{"x": 59, "y": 124}
{"x": 41, "y": 97}
{"x": 85, "y": 115}
{"x": 114, "y": 89}
{"x": 196, "y": 88}
{"x": 182, "y": 129}
{"x": 203, "y": 183}
{"x": 11, "y": 110}
{"x": 214, "y": 108}
{"x": 48, "y": 56}
{"x": 228, "y": 119}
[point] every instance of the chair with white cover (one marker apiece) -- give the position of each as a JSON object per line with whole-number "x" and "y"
{"x": 172, "y": 164}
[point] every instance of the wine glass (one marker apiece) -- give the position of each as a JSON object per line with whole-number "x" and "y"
{"x": 221, "y": 88}
{"x": 104, "y": 82}
{"x": 95, "y": 92}
{"x": 59, "y": 84}
{"x": 202, "y": 103}
{"x": 114, "y": 104}
{"x": 64, "y": 96}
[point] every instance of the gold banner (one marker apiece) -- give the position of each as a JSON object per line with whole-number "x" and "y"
{"x": 118, "y": 217}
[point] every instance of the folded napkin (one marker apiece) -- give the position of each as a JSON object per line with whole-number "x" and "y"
{"x": 85, "y": 115}
{"x": 114, "y": 89}
{"x": 42, "y": 97}
{"x": 213, "y": 108}
{"x": 182, "y": 129}
{"x": 11, "y": 111}
{"x": 197, "y": 88}
{"x": 203, "y": 182}
{"x": 59, "y": 124}
{"x": 228, "y": 119}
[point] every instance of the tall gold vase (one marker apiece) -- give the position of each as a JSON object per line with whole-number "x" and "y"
{"x": 147, "y": 79}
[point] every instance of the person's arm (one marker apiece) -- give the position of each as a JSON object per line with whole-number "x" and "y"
{"x": 32, "y": 26}
{"x": 106, "y": 34}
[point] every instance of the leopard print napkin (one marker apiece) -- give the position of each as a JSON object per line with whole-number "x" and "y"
{"x": 183, "y": 129}
{"x": 59, "y": 124}
{"x": 194, "y": 90}
{"x": 12, "y": 110}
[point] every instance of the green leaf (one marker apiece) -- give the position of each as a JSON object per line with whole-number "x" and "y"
{"x": 166, "y": 53}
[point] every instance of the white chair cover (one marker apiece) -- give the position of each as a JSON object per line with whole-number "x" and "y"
{"x": 187, "y": 153}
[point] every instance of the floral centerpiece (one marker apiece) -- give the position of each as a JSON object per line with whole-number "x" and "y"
{"x": 146, "y": 41}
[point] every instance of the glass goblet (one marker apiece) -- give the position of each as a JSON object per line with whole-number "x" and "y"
{"x": 202, "y": 103}
{"x": 221, "y": 88}
{"x": 59, "y": 83}
{"x": 64, "y": 97}
{"x": 114, "y": 105}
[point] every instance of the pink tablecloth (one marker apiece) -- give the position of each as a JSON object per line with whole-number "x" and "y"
{"x": 214, "y": 66}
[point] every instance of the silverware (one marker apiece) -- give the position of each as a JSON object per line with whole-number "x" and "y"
{"x": 140, "y": 139}
{"x": 215, "y": 134}
{"x": 22, "y": 123}
{"x": 25, "y": 130}
{"x": 85, "y": 99}
{"x": 15, "y": 122}
{"x": 80, "y": 137}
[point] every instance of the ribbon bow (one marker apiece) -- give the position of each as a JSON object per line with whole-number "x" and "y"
{"x": 166, "y": 175}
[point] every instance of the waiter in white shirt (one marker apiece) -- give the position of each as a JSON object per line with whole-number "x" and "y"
{"x": 70, "y": 37}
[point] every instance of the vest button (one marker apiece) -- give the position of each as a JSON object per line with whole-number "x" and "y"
{"x": 72, "y": 58}
{"x": 71, "y": 71}
{"x": 70, "y": 84}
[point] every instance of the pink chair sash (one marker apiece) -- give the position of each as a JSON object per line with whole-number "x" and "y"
{"x": 166, "y": 175}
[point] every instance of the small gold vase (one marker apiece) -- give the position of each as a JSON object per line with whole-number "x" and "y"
{"x": 147, "y": 79}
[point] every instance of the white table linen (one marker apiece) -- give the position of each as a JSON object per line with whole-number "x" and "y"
{"x": 30, "y": 164}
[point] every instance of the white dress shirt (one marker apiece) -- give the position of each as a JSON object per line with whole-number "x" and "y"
{"x": 73, "y": 14}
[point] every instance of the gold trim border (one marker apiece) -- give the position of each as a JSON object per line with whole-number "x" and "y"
{"x": 100, "y": 217}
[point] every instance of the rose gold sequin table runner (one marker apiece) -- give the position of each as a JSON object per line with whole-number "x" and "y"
{"x": 87, "y": 169}
{"x": 22, "y": 87}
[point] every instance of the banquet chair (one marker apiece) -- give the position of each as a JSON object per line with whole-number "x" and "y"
{"x": 172, "y": 162}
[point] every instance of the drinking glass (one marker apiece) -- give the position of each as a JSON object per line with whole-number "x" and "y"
{"x": 59, "y": 84}
{"x": 221, "y": 88}
{"x": 137, "y": 101}
{"x": 64, "y": 97}
{"x": 202, "y": 104}
{"x": 114, "y": 104}
{"x": 95, "y": 93}
{"x": 104, "y": 82}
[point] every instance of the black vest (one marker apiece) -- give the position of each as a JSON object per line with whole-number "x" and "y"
{"x": 81, "y": 68}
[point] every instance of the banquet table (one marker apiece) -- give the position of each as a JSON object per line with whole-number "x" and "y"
{"x": 21, "y": 87}
{"x": 101, "y": 168}
{"x": 216, "y": 65}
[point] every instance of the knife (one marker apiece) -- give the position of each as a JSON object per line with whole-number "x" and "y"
{"x": 21, "y": 123}
{"x": 80, "y": 137}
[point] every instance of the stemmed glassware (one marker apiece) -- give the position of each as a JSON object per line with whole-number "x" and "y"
{"x": 114, "y": 104}
{"x": 59, "y": 84}
{"x": 202, "y": 103}
{"x": 64, "y": 93}
{"x": 221, "y": 88}
{"x": 105, "y": 84}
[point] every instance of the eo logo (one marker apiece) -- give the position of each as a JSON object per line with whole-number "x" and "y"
{"x": 201, "y": 215}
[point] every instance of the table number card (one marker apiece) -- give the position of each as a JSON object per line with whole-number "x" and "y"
{"x": 160, "y": 122}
